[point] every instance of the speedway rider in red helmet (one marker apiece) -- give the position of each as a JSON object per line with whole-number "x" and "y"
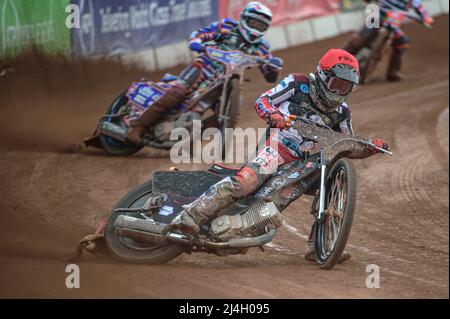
{"x": 319, "y": 98}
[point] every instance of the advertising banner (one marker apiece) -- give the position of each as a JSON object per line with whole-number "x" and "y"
{"x": 118, "y": 26}
{"x": 26, "y": 22}
{"x": 284, "y": 11}
{"x": 352, "y": 5}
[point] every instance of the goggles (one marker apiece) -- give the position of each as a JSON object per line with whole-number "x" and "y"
{"x": 341, "y": 80}
{"x": 340, "y": 86}
{"x": 257, "y": 24}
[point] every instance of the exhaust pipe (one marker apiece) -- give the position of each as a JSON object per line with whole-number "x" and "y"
{"x": 124, "y": 221}
{"x": 148, "y": 231}
{"x": 156, "y": 233}
{"x": 252, "y": 241}
{"x": 141, "y": 230}
{"x": 141, "y": 236}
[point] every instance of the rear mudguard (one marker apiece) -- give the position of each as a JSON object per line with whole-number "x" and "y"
{"x": 184, "y": 187}
{"x": 289, "y": 183}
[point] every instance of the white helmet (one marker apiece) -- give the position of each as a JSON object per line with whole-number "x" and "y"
{"x": 255, "y": 20}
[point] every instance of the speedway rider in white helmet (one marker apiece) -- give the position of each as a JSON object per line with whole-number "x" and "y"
{"x": 245, "y": 35}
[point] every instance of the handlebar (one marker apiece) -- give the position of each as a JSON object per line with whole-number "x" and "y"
{"x": 382, "y": 150}
{"x": 294, "y": 118}
{"x": 257, "y": 59}
{"x": 415, "y": 17}
{"x": 267, "y": 62}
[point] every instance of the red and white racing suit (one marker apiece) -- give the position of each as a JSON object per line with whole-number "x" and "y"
{"x": 290, "y": 97}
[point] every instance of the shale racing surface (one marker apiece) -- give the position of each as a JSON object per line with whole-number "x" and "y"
{"x": 53, "y": 192}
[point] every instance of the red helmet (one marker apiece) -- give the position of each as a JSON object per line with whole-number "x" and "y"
{"x": 336, "y": 77}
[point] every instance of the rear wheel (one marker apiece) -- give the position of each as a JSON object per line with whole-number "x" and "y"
{"x": 111, "y": 145}
{"x": 333, "y": 231}
{"x": 132, "y": 251}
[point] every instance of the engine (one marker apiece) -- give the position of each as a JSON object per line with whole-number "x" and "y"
{"x": 163, "y": 130}
{"x": 257, "y": 221}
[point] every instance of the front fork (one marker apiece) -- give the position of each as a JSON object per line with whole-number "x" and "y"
{"x": 223, "y": 110}
{"x": 323, "y": 169}
{"x": 318, "y": 197}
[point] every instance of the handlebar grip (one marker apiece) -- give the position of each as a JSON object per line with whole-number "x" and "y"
{"x": 289, "y": 121}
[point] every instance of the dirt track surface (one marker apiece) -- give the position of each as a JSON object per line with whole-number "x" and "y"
{"x": 52, "y": 193}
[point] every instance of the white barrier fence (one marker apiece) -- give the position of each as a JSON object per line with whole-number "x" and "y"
{"x": 281, "y": 37}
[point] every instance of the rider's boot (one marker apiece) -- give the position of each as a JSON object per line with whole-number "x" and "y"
{"x": 310, "y": 253}
{"x": 395, "y": 64}
{"x": 218, "y": 196}
{"x": 205, "y": 207}
{"x": 152, "y": 115}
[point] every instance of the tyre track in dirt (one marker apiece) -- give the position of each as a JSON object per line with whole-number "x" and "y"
{"x": 52, "y": 193}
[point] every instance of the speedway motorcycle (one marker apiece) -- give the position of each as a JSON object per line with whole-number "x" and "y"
{"x": 371, "y": 55}
{"x": 137, "y": 229}
{"x": 220, "y": 97}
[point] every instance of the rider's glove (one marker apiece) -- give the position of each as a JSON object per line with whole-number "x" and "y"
{"x": 276, "y": 120}
{"x": 381, "y": 144}
{"x": 198, "y": 47}
{"x": 271, "y": 73}
{"x": 428, "y": 21}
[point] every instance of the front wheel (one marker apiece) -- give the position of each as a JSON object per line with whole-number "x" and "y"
{"x": 369, "y": 58}
{"x": 233, "y": 106}
{"x": 132, "y": 251}
{"x": 340, "y": 202}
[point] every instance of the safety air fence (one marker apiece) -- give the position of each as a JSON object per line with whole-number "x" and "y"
{"x": 154, "y": 33}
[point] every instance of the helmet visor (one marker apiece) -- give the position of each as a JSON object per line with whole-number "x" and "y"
{"x": 341, "y": 86}
{"x": 257, "y": 24}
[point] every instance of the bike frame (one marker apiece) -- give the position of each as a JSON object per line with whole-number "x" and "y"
{"x": 323, "y": 169}
{"x": 235, "y": 63}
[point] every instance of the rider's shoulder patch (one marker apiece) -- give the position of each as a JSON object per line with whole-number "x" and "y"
{"x": 304, "y": 88}
{"x": 302, "y": 82}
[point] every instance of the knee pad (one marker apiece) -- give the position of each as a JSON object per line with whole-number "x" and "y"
{"x": 247, "y": 180}
{"x": 179, "y": 90}
{"x": 191, "y": 75}
{"x": 401, "y": 42}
